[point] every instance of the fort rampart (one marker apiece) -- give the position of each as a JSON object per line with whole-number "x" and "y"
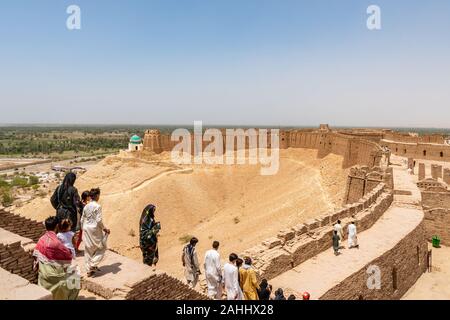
{"x": 295, "y": 245}
{"x": 399, "y": 268}
{"x": 436, "y": 206}
{"x": 354, "y": 150}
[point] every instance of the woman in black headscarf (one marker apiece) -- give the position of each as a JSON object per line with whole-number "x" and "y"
{"x": 265, "y": 289}
{"x": 279, "y": 295}
{"x": 66, "y": 200}
{"x": 148, "y": 231}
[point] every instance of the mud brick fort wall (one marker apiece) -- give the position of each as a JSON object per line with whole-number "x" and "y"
{"x": 147, "y": 284}
{"x": 24, "y": 227}
{"x": 430, "y": 147}
{"x": 400, "y": 268}
{"x": 419, "y": 150}
{"x": 362, "y": 180}
{"x": 407, "y": 138}
{"x": 436, "y": 206}
{"x": 17, "y": 238}
{"x": 14, "y": 287}
{"x": 354, "y": 149}
{"x": 161, "y": 286}
{"x": 16, "y": 255}
{"x": 295, "y": 245}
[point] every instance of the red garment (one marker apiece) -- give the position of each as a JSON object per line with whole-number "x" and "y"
{"x": 79, "y": 238}
{"x": 51, "y": 249}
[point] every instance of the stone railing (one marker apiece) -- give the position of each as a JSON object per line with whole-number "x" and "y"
{"x": 162, "y": 286}
{"x": 122, "y": 278}
{"x": 295, "y": 245}
{"x": 407, "y": 260}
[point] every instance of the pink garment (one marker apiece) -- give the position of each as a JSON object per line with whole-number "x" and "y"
{"x": 50, "y": 249}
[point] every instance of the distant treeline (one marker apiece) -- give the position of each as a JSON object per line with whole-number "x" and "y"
{"x": 36, "y": 139}
{"x": 60, "y": 146}
{"x": 33, "y": 140}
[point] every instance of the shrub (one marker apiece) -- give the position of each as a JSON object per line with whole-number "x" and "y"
{"x": 3, "y": 183}
{"x": 19, "y": 182}
{"x": 186, "y": 238}
{"x": 6, "y": 197}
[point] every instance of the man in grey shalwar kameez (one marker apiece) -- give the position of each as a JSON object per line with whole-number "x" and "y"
{"x": 190, "y": 263}
{"x": 336, "y": 239}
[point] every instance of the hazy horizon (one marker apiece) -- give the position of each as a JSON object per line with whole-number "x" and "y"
{"x": 205, "y": 125}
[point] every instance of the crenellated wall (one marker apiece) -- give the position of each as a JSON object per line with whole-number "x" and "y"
{"x": 425, "y": 151}
{"x": 362, "y": 180}
{"x": 413, "y": 138}
{"x": 436, "y": 206}
{"x": 295, "y": 245}
{"x": 399, "y": 268}
{"x": 354, "y": 150}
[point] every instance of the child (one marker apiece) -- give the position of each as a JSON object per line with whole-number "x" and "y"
{"x": 66, "y": 236}
{"x": 85, "y": 199}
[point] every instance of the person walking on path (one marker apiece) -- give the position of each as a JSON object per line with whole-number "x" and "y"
{"x": 213, "y": 272}
{"x": 352, "y": 237}
{"x": 336, "y": 239}
{"x": 95, "y": 234}
{"x": 190, "y": 263}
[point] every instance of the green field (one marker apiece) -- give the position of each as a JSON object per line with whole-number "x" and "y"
{"x": 64, "y": 142}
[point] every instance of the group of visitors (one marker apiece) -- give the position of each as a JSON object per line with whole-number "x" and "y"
{"x": 237, "y": 277}
{"x": 76, "y": 220}
{"x": 338, "y": 235}
{"x": 80, "y": 220}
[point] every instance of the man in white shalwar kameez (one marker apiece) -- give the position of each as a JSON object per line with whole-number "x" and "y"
{"x": 338, "y": 228}
{"x": 95, "y": 233}
{"x": 352, "y": 238}
{"x": 231, "y": 278}
{"x": 213, "y": 272}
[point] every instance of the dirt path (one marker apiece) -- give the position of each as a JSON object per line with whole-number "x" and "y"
{"x": 433, "y": 285}
{"x": 142, "y": 184}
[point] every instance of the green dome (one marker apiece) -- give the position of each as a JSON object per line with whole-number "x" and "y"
{"x": 135, "y": 139}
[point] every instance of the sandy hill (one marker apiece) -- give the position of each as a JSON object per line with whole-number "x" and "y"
{"x": 232, "y": 204}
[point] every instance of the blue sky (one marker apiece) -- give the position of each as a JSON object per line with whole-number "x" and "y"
{"x": 247, "y": 62}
